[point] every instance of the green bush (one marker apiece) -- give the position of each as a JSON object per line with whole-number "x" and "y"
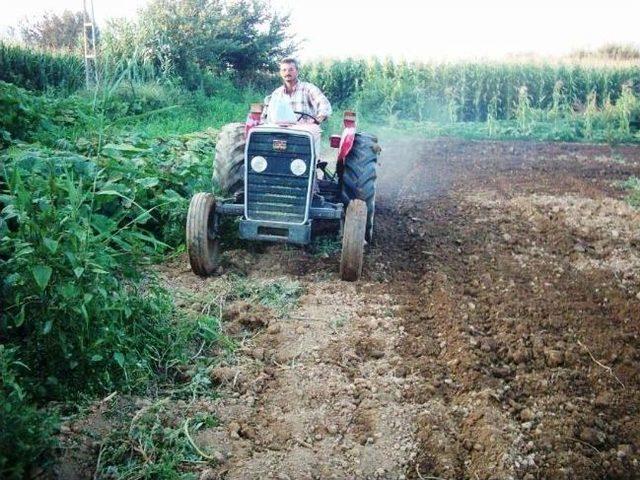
{"x": 26, "y": 433}
{"x": 129, "y": 99}
{"x": 72, "y": 234}
{"x": 26, "y": 116}
{"x": 19, "y": 113}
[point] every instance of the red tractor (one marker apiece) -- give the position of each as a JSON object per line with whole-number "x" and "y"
{"x": 273, "y": 179}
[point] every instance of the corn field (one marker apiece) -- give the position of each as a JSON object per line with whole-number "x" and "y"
{"x": 37, "y": 70}
{"x": 472, "y": 91}
{"x": 440, "y": 92}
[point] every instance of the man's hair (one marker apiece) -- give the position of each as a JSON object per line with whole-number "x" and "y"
{"x": 290, "y": 60}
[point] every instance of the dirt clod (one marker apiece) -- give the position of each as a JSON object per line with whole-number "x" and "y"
{"x": 592, "y": 436}
{"x": 248, "y": 315}
{"x": 554, "y": 358}
{"x": 527, "y": 415}
{"x": 222, "y": 375}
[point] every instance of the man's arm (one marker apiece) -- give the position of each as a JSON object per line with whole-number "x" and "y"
{"x": 320, "y": 103}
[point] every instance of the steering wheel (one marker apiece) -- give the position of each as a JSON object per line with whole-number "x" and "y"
{"x": 303, "y": 114}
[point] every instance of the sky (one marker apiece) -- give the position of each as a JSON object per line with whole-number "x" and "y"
{"x": 419, "y": 30}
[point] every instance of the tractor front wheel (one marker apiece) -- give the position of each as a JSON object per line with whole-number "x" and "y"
{"x": 203, "y": 242}
{"x": 355, "y": 224}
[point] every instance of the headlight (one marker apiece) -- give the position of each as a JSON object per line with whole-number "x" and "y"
{"x": 298, "y": 167}
{"x": 258, "y": 164}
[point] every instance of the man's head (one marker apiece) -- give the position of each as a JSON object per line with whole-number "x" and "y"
{"x": 289, "y": 70}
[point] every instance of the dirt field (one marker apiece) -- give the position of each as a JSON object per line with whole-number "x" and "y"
{"x": 494, "y": 334}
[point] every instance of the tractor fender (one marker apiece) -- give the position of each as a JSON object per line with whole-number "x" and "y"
{"x": 346, "y": 143}
{"x": 253, "y": 120}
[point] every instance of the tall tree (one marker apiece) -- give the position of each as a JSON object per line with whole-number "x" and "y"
{"x": 187, "y": 36}
{"x": 54, "y": 32}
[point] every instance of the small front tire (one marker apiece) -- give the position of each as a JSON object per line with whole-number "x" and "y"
{"x": 353, "y": 240}
{"x": 203, "y": 242}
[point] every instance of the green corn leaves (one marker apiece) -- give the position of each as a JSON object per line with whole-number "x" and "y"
{"x": 466, "y": 91}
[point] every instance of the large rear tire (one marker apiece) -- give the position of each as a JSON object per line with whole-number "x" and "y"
{"x": 203, "y": 242}
{"x": 228, "y": 165}
{"x": 359, "y": 176}
{"x": 355, "y": 223}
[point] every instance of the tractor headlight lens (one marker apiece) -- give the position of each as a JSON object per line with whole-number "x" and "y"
{"x": 298, "y": 167}
{"x": 258, "y": 164}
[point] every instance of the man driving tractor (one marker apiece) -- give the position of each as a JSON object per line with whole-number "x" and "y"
{"x": 303, "y": 97}
{"x": 269, "y": 173}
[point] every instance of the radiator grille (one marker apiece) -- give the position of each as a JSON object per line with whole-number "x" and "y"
{"x": 277, "y": 195}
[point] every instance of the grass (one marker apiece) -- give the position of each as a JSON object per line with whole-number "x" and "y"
{"x": 279, "y": 294}
{"x": 632, "y": 185}
{"x": 155, "y": 440}
{"x": 157, "y": 436}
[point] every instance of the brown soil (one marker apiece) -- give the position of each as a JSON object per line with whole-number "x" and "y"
{"x": 494, "y": 334}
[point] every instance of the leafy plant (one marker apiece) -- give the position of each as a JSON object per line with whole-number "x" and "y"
{"x": 25, "y": 432}
{"x": 72, "y": 238}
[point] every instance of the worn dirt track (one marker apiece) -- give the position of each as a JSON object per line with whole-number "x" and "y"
{"x": 494, "y": 334}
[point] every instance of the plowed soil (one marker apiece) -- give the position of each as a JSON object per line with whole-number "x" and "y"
{"x": 494, "y": 334}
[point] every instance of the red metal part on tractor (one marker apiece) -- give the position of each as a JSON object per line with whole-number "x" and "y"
{"x": 254, "y": 118}
{"x": 348, "y": 135}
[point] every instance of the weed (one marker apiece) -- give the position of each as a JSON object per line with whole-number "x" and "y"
{"x": 339, "y": 321}
{"x": 279, "y": 294}
{"x": 326, "y": 246}
{"x": 633, "y": 187}
{"x": 158, "y": 443}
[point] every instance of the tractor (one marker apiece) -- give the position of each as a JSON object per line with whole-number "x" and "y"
{"x": 272, "y": 178}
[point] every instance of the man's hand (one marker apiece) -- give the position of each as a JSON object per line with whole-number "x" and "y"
{"x": 321, "y": 118}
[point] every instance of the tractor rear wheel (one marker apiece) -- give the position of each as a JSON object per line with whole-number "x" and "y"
{"x": 203, "y": 242}
{"x": 359, "y": 176}
{"x": 355, "y": 223}
{"x": 228, "y": 165}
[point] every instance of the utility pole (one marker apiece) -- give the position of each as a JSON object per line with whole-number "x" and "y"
{"x": 89, "y": 31}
